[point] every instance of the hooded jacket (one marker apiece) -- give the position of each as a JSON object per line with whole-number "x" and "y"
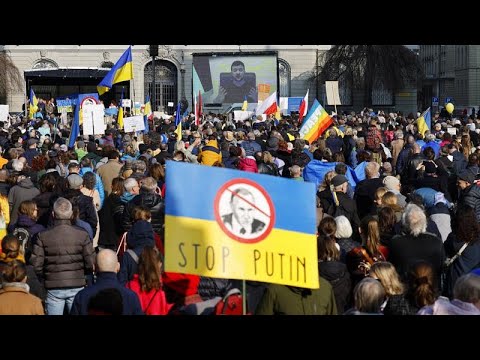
{"x": 210, "y": 154}
{"x": 248, "y": 165}
{"x": 139, "y": 236}
{"x": 24, "y": 190}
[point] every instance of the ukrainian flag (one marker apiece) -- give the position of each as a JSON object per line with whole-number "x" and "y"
{"x": 120, "y": 114}
{"x": 121, "y": 71}
{"x": 197, "y": 240}
{"x": 147, "y": 111}
{"x": 424, "y": 122}
{"x": 33, "y": 108}
{"x": 178, "y": 123}
{"x": 245, "y": 104}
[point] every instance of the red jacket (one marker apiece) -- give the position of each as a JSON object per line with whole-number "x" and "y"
{"x": 247, "y": 164}
{"x": 153, "y": 302}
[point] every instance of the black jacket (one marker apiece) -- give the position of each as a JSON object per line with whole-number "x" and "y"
{"x": 471, "y": 197}
{"x": 110, "y": 216}
{"x": 336, "y": 273}
{"x": 155, "y": 203}
{"x": 88, "y": 213}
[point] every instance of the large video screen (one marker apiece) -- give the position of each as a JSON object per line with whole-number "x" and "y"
{"x": 230, "y": 78}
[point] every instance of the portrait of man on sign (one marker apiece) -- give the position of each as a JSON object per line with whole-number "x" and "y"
{"x": 237, "y": 85}
{"x": 241, "y": 221}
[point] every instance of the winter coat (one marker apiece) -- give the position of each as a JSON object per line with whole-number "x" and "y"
{"x": 210, "y": 154}
{"x": 440, "y": 215}
{"x": 337, "y": 275}
{"x": 24, "y": 190}
{"x": 251, "y": 147}
{"x": 106, "y": 280}
{"x": 62, "y": 256}
{"x": 110, "y": 218}
{"x": 153, "y": 302}
{"x": 290, "y": 300}
{"x": 139, "y": 236}
{"x": 88, "y": 213}
{"x": 154, "y": 203}
{"x": 98, "y": 184}
{"x": 108, "y": 172}
{"x": 470, "y": 196}
{"x": 44, "y": 205}
{"x": 248, "y": 165}
{"x": 15, "y": 299}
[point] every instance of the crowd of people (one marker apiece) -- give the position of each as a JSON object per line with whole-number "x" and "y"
{"x": 398, "y": 215}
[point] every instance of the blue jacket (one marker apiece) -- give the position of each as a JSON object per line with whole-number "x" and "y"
{"x": 106, "y": 280}
{"x": 98, "y": 185}
{"x": 139, "y": 236}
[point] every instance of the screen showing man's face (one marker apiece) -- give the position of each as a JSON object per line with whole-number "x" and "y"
{"x": 238, "y": 72}
{"x": 243, "y": 211}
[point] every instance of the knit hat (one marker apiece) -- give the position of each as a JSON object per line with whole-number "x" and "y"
{"x": 272, "y": 143}
{"x": 182, "y": 284}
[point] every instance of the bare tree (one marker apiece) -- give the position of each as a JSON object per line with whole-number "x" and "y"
{"x": 10, "y": 77}
{"x": 364, "y": 66}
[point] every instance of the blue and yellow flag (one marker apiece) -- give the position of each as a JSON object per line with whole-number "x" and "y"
{"x": 120, "y": 114}
{"x": 178, "y": 123}
{"x": 33, "y": 104}
{"x": 147, "y": 111}
{"x": 245, "y": 104}
{"x": 240, "y": 225}
{"x": 121, "y": 71}
{"x": 424, "y": 122}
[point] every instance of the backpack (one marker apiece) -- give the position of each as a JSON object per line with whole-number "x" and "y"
{"x": 23, "y": 236}
{"x": 231, "y": 304}
{"x": 373, "y": 141}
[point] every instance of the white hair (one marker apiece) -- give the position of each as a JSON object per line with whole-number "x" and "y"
{"x": 63, "y": 209}
{"x": 414, "y": 220}
{"x": 344, "y": 228}
{"x": 17, "y": 165}
{"x": 129, "y": 184}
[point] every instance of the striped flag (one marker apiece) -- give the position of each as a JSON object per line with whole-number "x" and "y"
{"x": 302, "y": 111}
{"x": 316, "y": 122}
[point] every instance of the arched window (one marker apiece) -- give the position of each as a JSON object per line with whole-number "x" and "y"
{"x": 45, "y": 64}
{"x": 166, "y": 80}
{"x": 284, "y": 75}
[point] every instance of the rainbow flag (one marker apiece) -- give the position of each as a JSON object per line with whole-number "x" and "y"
{"x": 121, "y": 71}
{"x": 240, "y": 225}
{"x": 315, "y": 123}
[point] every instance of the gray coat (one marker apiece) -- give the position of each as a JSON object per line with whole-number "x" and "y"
{"x": 24, "y": 190}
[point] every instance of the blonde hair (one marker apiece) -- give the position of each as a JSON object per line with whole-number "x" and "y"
{"x": 390, "y": 199}
{"x": 327, "y": 179}
{"x": 388, "y": 276}
{"x": 379, "y": 194}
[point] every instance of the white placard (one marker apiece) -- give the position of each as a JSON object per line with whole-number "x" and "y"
{"x": 126, "y": 103}
{"x": 4, "y": 113}
{"x": 333, "y": 96}
{"x": 133, "y": 123}
{"x": 93, "y": 119}
{"x": 283, "y": 103}
{"x": 452, "y": 130}
{"x": 170, "y": 104}
{"x": 239, "y": 115}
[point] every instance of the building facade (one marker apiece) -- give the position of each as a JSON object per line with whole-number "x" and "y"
{"x": 59, "y": 70}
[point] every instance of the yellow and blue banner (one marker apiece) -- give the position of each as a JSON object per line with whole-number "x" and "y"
{"x": 78, "y": 102}
{"x": 424, "y": 122}
{"x": 121, "y": 71}
{"x": 33, "y": 104}
{"x": 240, "y": 225}
{"x": 315, "y": 123}
{"x": 147, "y": 111}
{"x": 120, "y": 114}
{"x": 178, "y": 123}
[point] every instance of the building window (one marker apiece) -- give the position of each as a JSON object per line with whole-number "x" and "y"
{"x": 284, "y": 74}
{"x": 166, "y": 80}
{"x": 45, "y": 64}
{"x": 107, "y": 64}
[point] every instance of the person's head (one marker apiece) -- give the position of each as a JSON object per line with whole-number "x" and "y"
{"x": 465, "y": 224}
{"x": 131, "y": 186}
{"x": 150, "y": 269}
{"x": 421, "y": 280}
{"x": 107, "y": 261}
{"x": 107, "y": 301}
{"x": 379, "y": 194}
{"x": 62, "y": 209}
{"x": 391, "y": 183}
{"x": 327, "y": 180}
{"x": 75, "y": 181}
{"x": 414, "y": 220}
{"x": 465, "y": 179}
{"x": 386, "y": 219}
{"x": 344, "y": 228}
{"x": 370, "y": 234}
{"x": 149, "y": 185}
{"x": 11, "y": 248}
{"x": 372, "y": 170}
{"x": 118, "y": 186}
{"x": 467, "y": 289}
{"x": 157, "y": 172}
{"x": 340, "y": 183}
{"x": 295, "y": 171}
{"x": 391, "y": 200}
{"x": 326, "y": 243}
{"x": 73, "y": 168}
{"x": 369, "y": 296}
{"x": 388, "y": 276}
{"x": 238, "y": 70}
{"x": 14, "y": 271}
{"x": 89, "y": 180}
{"x": 141, "y": 213}
{"x": 243, "y": 210}
{"x": 29, "y": 208}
